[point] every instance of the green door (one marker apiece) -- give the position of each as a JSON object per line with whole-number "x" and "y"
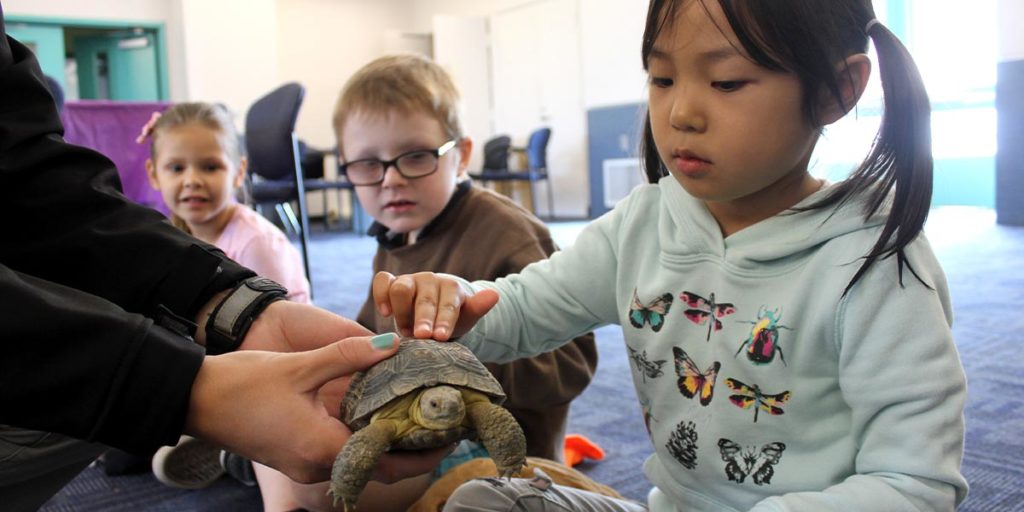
{"x": 118, "y": 66}
{"x": 47, "y": 42}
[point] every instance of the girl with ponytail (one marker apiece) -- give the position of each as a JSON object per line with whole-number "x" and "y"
{"x": 783, "y": 356}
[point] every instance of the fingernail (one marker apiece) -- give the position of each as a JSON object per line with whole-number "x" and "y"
{"x": 383, "y": 341}
{"x": 442, "y": 331}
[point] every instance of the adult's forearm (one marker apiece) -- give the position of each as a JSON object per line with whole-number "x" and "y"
{"x": 81, "y": 366}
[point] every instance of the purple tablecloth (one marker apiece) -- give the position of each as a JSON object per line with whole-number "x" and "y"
{"x": 110, "y": 127}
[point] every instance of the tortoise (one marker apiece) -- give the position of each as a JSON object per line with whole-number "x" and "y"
{"x": 428, "y": 395}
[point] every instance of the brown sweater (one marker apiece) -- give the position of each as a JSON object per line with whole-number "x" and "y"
{"x": 481, "y": 235}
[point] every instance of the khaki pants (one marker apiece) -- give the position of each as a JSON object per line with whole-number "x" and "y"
{"x": 545, "y": 485}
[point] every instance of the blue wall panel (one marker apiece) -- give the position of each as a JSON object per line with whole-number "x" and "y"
{"x": 613, "y": 132}
{"x": 1010, "y": 153}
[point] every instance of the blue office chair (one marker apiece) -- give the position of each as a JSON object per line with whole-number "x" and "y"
{"x": 496, "y": 153}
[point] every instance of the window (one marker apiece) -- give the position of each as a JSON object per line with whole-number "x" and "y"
{"x": 955, "y": 46}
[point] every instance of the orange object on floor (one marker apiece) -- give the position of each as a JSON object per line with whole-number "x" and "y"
{"x": 578, "y": 447}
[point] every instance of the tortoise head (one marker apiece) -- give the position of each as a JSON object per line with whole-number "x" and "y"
{"x": 440, "y": 407}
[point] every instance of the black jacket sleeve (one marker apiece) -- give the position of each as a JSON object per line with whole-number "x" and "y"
{"x": 81, "y": 270}
{"x": 80, "y": 365}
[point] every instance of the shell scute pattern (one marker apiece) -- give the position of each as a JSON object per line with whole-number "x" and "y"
{"x": 417, "y": 364}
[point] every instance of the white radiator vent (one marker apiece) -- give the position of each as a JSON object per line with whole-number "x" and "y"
{"x": 621, "y": 176}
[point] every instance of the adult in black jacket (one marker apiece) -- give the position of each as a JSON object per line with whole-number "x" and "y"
{"x": 83, "y": 274}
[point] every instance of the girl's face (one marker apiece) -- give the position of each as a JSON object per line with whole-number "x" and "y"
{"x": 404, "y": 205}
{"x": 195, "y": 176}
{"x": 731, "y": 133}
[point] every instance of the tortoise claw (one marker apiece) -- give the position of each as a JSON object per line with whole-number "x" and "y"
{"x": 347, "y": 506}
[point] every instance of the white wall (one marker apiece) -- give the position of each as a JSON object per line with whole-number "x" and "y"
{"x": 464, "y": 63}
{"x": 610, "y": 33}
{"x": 231, "y": 51}
{"x": 1011, "y": 42}
{"x": 610, "y": 37}
{"x": 323, "y": 42}
{"x": 425, "y": 10}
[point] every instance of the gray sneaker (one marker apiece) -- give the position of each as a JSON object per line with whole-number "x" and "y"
{"x": 238, "y": 467}
{"x": 190, "y": 464}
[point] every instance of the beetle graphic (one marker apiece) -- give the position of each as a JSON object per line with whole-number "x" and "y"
{"x": 763, "y": 341}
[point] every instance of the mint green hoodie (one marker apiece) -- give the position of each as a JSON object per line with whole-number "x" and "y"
{"x": 763, "y": 387}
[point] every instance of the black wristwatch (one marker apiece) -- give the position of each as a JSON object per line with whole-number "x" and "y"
{"x": 231, "y": 319}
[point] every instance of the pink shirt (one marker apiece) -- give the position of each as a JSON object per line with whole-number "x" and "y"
{"x": 254, "y": 242}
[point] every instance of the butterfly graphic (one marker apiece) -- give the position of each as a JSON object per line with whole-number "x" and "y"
{"x": 653, "y": 313}
{"x": 747, "y": 396}
{"x": 647, "y": 368}
{"x": 741, "y": 462}
{"x": 706, "y": 311}
{"x": 692, "y": 381}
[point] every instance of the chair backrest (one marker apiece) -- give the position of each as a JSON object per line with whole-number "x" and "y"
{"x": 311, "y": 160}
{"x": 269, "y": 124}
{"x": 537, "y": 149}
{"x": 496, "y": 151}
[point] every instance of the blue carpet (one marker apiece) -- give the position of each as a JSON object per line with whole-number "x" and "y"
{"x": 983, "y": 262}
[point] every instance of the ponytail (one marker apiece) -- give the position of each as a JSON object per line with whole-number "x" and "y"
{"x": 900, "y": 158}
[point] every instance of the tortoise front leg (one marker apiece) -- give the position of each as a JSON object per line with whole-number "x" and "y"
{"x": 354, "y": 465}
{"x": 500, "y": 434}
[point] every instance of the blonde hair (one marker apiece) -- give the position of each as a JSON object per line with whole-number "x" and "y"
{"x": 215, "y": 117}
{"x": 409, "y": 83}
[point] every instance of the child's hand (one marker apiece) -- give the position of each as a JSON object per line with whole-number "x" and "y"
{"x": 429, "y": 305}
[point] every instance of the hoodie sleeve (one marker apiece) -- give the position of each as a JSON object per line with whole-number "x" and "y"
{"x": 901, "y": 374}
{"x": 81, "y": 267}
{"x": 553, "y": 300}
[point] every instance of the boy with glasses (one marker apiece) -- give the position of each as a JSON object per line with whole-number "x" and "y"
{"x": 401, "y": 144}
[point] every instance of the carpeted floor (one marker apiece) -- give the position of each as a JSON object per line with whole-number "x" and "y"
{"x": 983, "y": 262}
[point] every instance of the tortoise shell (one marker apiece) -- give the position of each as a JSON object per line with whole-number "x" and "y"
{"x": 417, "y": 364}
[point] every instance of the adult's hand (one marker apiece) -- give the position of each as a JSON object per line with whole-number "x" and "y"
{"x": 263, "y": 406}
{"x": 293, "y": 327}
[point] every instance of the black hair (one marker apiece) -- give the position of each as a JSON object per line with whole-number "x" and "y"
{"x": 808, "y": 38}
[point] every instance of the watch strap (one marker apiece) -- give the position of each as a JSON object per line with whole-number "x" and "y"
{"x": 230, "y": 320}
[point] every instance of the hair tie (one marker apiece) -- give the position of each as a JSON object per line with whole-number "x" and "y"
{"x": 871, "y": 24}
{"x": 147, "y": 129}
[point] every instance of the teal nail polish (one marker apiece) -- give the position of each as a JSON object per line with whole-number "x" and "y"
{"x": 383, "y": 341}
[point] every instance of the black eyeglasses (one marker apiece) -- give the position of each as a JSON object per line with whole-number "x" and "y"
{"x": 411, "y": 165}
